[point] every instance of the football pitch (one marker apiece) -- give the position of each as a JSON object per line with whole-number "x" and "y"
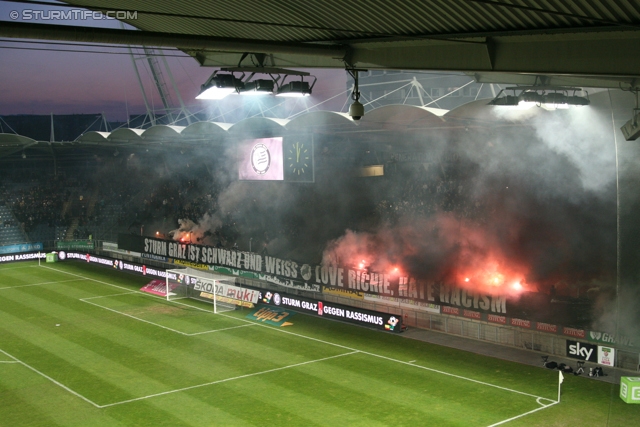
{"x": 80, "y": 345}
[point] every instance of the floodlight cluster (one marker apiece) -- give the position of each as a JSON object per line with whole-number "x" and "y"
{"x": 222, "y": 84}
{"x": 548, "y": 98}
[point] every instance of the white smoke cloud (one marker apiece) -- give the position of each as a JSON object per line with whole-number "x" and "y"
{"x": 585, "y": 138}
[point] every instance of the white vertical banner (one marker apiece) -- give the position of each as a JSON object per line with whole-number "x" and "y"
{"x": 606, "y": 356}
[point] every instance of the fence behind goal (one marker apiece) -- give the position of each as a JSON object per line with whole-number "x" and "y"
{"x": 216, "y": 289}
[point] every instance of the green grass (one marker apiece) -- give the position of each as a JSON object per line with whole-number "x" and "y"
{"x": 81, "y": 347}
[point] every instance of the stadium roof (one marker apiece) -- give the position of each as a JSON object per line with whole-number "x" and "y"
{"x": 391, "y": 124}
{"x": 11, "y": 143}
{"x": 389, "y": 118}
{"x": 410, "y": 117}
{"x": 571, "y": 42}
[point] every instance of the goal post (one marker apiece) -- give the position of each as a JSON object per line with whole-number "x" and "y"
{"x": 216, "y": 289}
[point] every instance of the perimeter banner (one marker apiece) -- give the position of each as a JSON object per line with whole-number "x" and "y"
{"x": 316, "y": 277}
{"x": 116, "y": 264}
{"x": 23, "y": 247}
{"x": 371, "y": 319}
{"x": 22, "y": 257}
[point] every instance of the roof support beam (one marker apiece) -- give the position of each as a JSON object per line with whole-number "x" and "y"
{"x": 599, "y": 54}
{"x": 606, "y": 54}
{"x": 22, "y": 30}
{"x": 609, "y": 56}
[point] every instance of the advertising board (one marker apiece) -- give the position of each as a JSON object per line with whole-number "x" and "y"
{"x": 372, "y": 319}
{"x": 582, "y": 351}
{"x": 23, "y": 247}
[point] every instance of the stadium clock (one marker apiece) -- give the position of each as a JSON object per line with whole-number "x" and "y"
{"x": 298, "y": 159}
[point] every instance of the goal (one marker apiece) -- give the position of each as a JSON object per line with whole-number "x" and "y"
{"x": 204, "y": 286}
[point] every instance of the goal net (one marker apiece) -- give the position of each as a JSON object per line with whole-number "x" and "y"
{"x": 215, "y": 289}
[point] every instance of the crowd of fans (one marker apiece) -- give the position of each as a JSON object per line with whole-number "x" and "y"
{"x": 38, "y": 200}
{"x": 429, "y": 188}
{"x": 129, "y": 194}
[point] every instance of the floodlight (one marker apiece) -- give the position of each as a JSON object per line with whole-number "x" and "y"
{"x": 227, "y": 81}
{"x": 537, "y": 95}
{"x": 631, "y": 129}
{"x": 294, "y": 89}
{"x": 554, "y": 101}
{"x": 578, "y": 101}
{"x": 219, "y": 86}
{"x": 258, "y": 87}
{"x": 528, "y": 99}
{"x": 507, "y": 100}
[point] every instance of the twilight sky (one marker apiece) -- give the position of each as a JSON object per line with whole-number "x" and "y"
{"x": 46, "y": 81}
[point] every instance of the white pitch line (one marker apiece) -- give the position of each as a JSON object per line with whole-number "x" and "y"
{"x": 146, "y": 295}
{"x": 157, "y": 324}
{"x": 522, "y": 415}
{"x": 75, "y": 393}
{"x": 432, "y": 370}
{"x": 228, "y": 379}
{"x": 544, "y": 398}
{"x": 453, "y": 375}
{"x": 394, "y": 360}
{"x": 112, "y": 295}
{"x": 326, "y": 342}
{"x": 217, "y": 330}
{"x": 89, "y": 278}
{"x": 134, "y": 317}
{"x": 8, "y": 361}
{"x": 40, "y": 284}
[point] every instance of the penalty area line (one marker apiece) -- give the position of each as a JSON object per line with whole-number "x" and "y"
{"x": 112, "y": 295}
{"x": 89, "y": 278}
{"x": 153, "y": 323}
{"x": 228, "y": 379}
{"x": 147, "y": 295}
{"x": 217, "y": 330}
{"x": 59, "y": 384}
{"x": 133, "y": 317}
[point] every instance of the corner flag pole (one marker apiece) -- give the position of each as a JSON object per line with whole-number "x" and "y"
{"x": 560, "y": 380}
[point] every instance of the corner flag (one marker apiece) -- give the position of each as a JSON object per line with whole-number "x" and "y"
{"x": 560, "y": 379}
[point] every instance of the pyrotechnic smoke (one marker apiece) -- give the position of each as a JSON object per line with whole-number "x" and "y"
{"x": 585, "y": 138}
{"x": 196, "y": 232}
{"x": 527, "y": 202}
{"x": 515, "y": 207}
